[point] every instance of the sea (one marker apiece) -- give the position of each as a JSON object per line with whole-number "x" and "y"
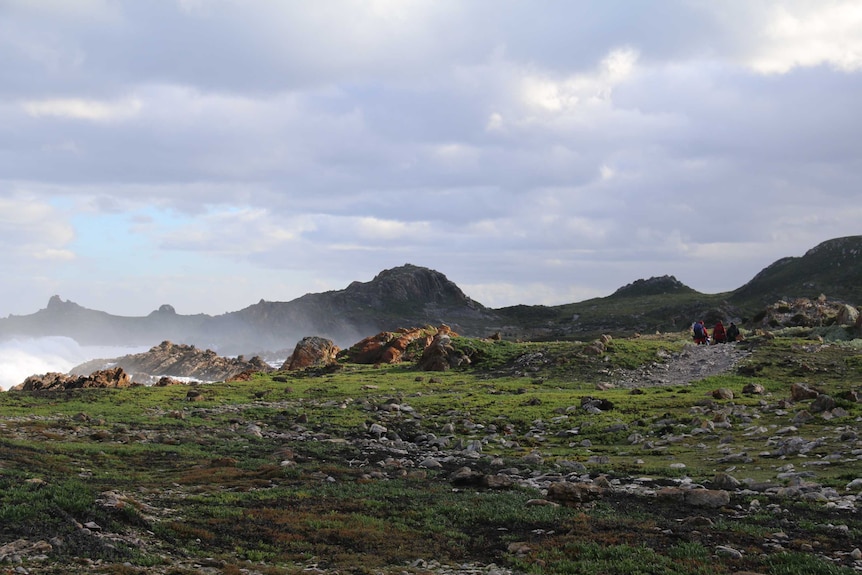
{"x": 23, "y": 357}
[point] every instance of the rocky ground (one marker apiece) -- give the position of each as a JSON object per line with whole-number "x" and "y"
{"x": 689, "y": 510}
{"x": 694, "y": 362}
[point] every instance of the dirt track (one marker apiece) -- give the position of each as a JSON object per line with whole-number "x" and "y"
{"x": 693, "y": 363}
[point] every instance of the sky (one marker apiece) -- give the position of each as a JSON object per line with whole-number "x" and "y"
{"x": 208, "y": 154}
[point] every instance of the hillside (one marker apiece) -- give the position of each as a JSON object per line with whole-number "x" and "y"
{"x": 832, "y": 268}
{"x": 411, "y": 296}
{"x": 404, "y": 296}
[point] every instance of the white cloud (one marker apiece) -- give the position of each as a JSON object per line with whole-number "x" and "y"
{"x": 54, "y": 254}
{"x": 804, "y": 34}
{"x": 564, "y": 95}
{"x": 82, "y": 109}
{"x": 495, "y": 122}
{"x": 503, "y": 294}
{"x": 32, "y": 228}
{"x": 379, "y": 229}
{"x": 240, "y": 233}
{"x": 341, "y": 138}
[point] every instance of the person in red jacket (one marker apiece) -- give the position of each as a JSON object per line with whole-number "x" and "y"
{"x": 718, "y": 333}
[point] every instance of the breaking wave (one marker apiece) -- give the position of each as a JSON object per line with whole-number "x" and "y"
{"x": 23, "y": 357}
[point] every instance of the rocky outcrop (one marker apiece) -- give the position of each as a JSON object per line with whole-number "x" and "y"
{"x": 803, "y": 312}
{"x": 312, "y": 351}
{"x": 178, "y": 360}
{"x": 653, "y": 286}
{"x": 440, "y": 355}
{"x": 115, "y": 377}
{"x": 395, "y": 347}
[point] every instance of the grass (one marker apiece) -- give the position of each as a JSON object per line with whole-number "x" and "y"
{"x": 282, "y": 471}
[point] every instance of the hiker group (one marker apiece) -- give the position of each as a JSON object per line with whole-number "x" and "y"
{"x": 720, "y": 334}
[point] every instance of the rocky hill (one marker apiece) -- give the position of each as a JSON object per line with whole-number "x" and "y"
{"x": 408, "y": 295}
{"x": 405, "y": 296}
{"x": 833, "y": 268}
{"x": 412, "y": 296}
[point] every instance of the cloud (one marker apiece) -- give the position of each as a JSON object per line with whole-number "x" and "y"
{"x": 31, "y": 228}
{"x": 235, "y": 232}
{"x": 802, "y": 34}
{"x": 566, "y": 94}
{"x": 575, "y": 144}
{"x": 84, "y": 109}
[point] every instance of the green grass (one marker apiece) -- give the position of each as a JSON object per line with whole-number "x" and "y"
{"x": 196, "y": 481}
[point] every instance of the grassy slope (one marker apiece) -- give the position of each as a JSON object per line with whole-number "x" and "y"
{"x": 194, "y": 482}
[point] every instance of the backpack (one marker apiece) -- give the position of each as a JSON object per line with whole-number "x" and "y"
{"x": 698, "y": 330}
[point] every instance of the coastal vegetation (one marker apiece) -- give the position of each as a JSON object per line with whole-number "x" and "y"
{"x": 387, "y": 469}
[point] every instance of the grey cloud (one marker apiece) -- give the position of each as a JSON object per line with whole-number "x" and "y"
{"x": 485, "y": 138}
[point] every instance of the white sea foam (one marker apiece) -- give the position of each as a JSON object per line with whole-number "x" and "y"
{"x": 23, "y": 357}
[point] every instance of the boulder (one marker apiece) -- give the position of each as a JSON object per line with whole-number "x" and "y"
{"x": 802, "y": 392}
{"x": 724, "y": 481}
{"x": 595, "y": 348}
{"x": 569, "y": 492}
{"x": 712, "y": 498}
{"x": 753, "y": 389}
{"x": 847, "y": 315}
{"x": 312, "y": 351}
{"x": 822, "y": 403}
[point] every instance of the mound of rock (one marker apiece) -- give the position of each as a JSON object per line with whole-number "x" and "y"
{"x": 394, "y": 347}
{"x": 115, "y": 377}
{"x": 177, "y": 360}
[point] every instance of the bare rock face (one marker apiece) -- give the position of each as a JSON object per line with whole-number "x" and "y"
{"x": 394, "y": 347}
{"x": 178, "y": 360}
{"x": 114, "y": 377}
{"x": 312, "y": 351}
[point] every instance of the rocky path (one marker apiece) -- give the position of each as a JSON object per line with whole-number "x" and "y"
{"x": 693, "y": 363}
